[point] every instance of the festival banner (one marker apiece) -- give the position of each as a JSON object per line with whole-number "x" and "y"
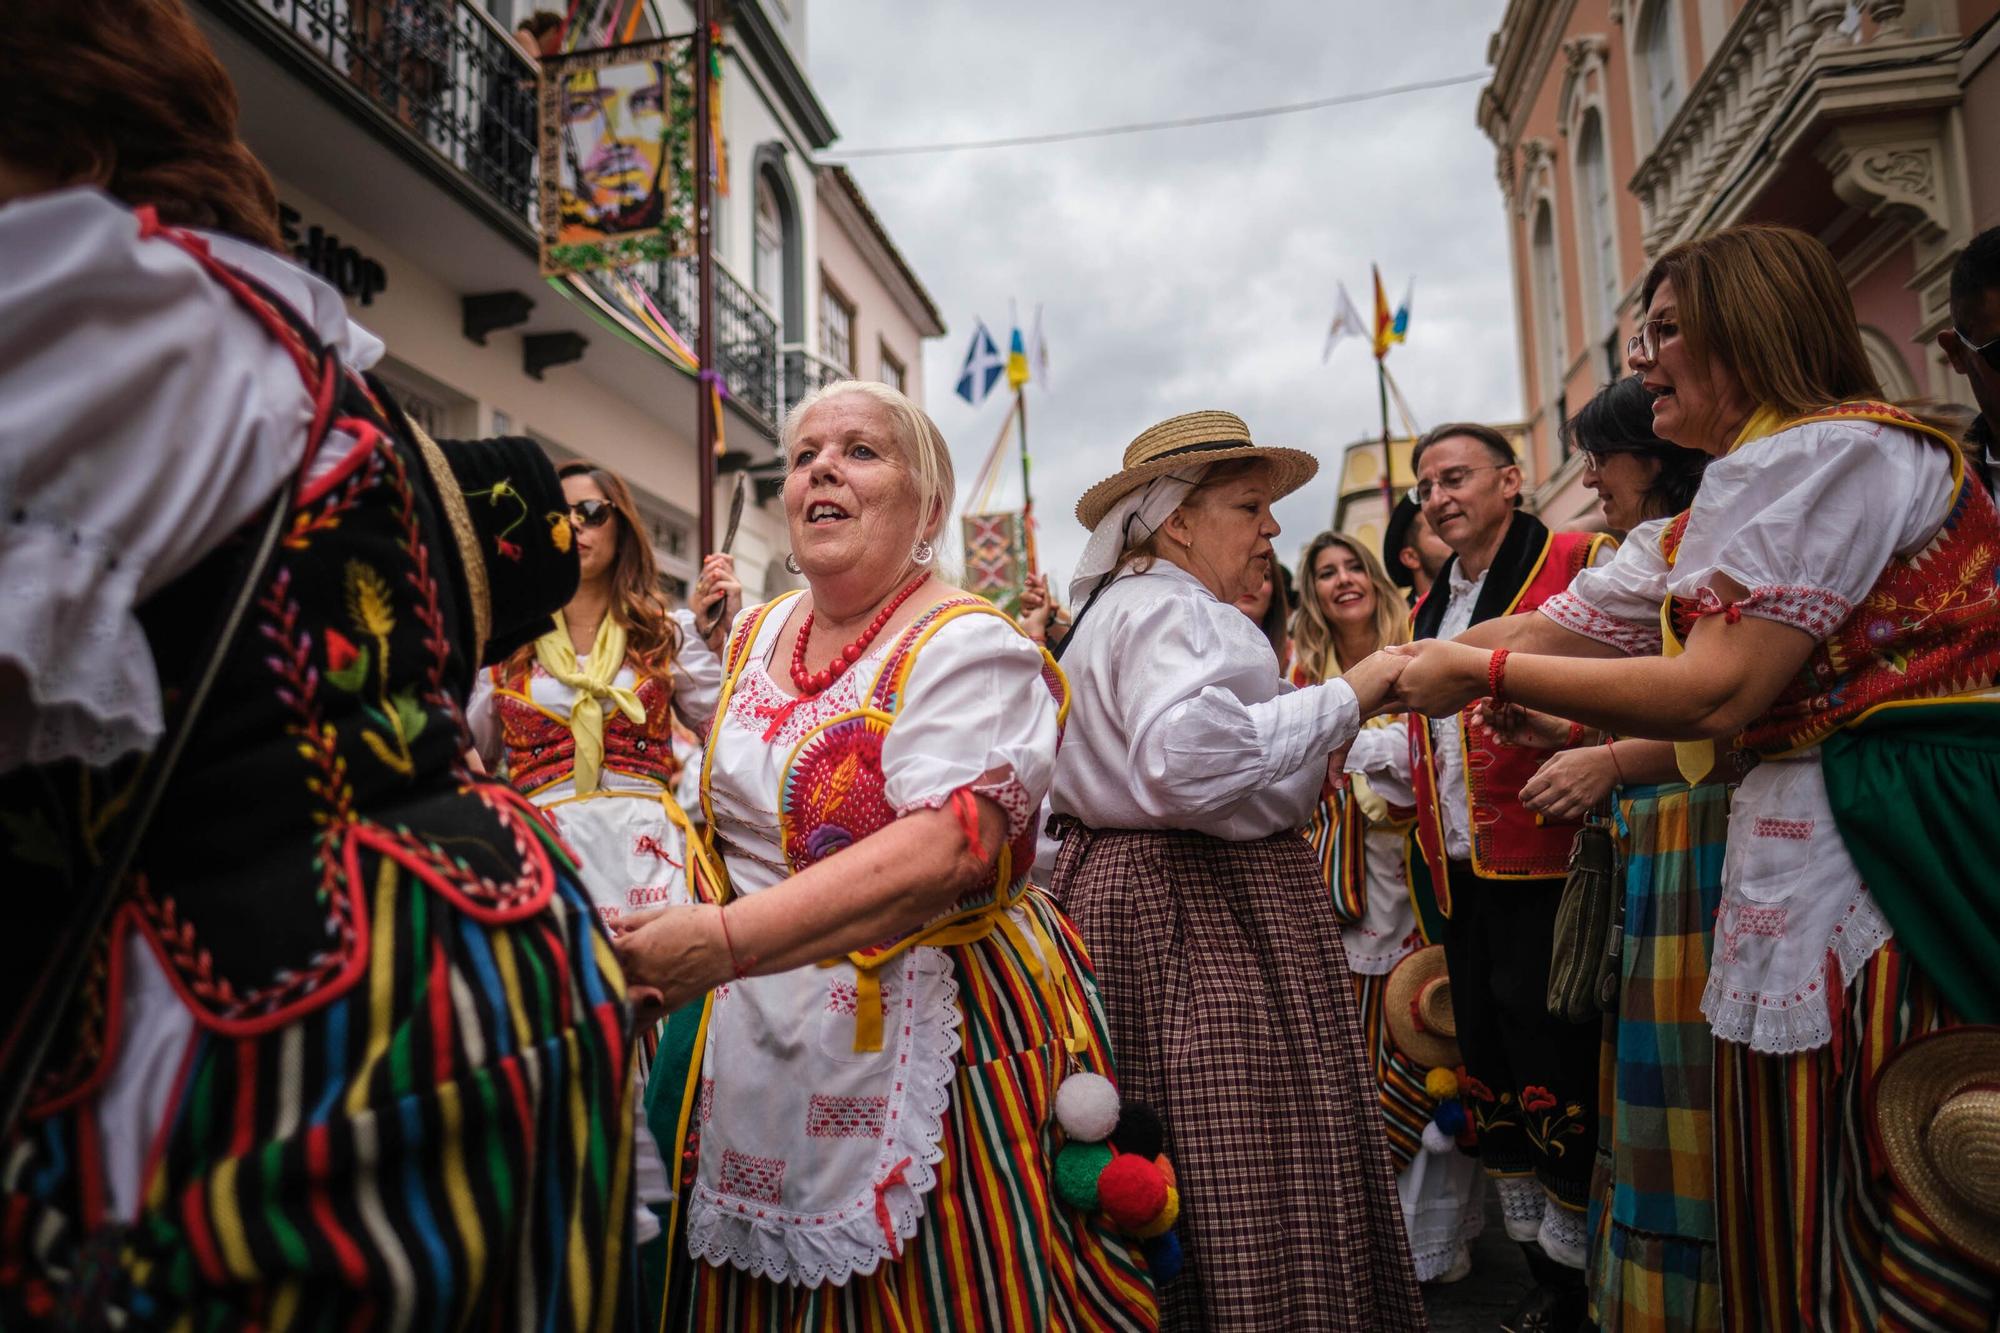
{"x": 617, "y": 155}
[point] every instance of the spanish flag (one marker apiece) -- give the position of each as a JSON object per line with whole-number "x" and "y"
{"x": 1385, "y": 319}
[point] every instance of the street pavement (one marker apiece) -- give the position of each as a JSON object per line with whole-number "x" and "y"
{"x": 1499, "y": 1279}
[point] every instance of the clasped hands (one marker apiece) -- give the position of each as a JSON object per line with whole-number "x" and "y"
{"x": 1431, "y": 676}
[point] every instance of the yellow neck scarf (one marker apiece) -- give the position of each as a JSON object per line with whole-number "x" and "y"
{"x": 592, "y": 682}
{"x": 1696, "y": 759}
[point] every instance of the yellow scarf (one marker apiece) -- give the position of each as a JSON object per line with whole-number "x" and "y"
{"x": 593, "y": 685}
{"x": 1696, "y": 759}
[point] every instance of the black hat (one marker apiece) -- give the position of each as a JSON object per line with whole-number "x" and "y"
{"x": 1395, "y": 539}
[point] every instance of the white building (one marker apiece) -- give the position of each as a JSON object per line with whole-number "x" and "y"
{"x": 403, "y": 184}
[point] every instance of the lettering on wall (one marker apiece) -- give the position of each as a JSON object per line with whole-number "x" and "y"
{"x": 353, "y": 274}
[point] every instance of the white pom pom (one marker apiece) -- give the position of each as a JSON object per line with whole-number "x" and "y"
{"x": 1087, "y": 1107}
{"x": 1436, "y": 1140}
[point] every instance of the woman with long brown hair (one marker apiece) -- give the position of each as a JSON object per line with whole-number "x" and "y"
{"x": 329, "y": 1041}
{"x": 1348, "y": 609}
{"x": 1828, "y": 602}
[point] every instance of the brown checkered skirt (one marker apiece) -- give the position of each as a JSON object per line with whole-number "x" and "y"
{"x": 1232, "y": 1014}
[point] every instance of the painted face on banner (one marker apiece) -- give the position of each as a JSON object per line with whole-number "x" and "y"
{"x": 614, "y": 121}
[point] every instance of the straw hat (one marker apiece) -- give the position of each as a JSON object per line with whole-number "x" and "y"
{"x": 1936, "y": 1110}
{"x": 1193, "y": 440}
{"x": 1417, "y": 1003}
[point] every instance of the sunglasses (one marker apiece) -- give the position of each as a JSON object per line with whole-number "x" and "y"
{"x": 591, "y": 513}
{"x": 1988, "y": 351}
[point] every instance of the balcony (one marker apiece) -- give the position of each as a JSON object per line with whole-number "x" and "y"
{"x": 806, "y": 371}
{"x": 746, "y": 335}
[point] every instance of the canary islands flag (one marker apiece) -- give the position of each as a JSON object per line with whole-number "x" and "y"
{"x": 982, "y": 368}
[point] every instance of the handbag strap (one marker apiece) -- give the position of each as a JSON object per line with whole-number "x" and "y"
{"x": 26, "y": 1048}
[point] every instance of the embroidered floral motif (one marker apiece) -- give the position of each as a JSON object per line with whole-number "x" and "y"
{"x": 1546, "y": 1126}
{"x": 1580, "y": 617}
{"x": 1737, "y": 919}
{"x": 370, "y": 609}
{"x": 706, "y": 1102}
{"x": 747, "y": 1177}
{"x": 832, "y": 1117}
{"x": 1798, "y": 830}
{"x": 832, "y": 795}
{"x": 497, "y": 494}
{"x": 1489, "y": 1114}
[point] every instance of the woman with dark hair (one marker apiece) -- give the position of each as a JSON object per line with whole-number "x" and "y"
{"x": 1652, "y": 1214}
{"x": 1270, "y": 608}
{"x": 1827, "y": 602}
{"x": 332, "y": 1036}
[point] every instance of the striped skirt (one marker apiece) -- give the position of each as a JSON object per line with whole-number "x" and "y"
{"x": 1652, "y": 1212}
{"x": 448, "y": 1144}
{"x": 1233, "y": 1014}
{"x": 996, "y": 1250}
{"x": 1812, "y": 1235}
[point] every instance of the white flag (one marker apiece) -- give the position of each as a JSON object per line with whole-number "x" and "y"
{"x": 1038, "y": 351}
{"x": 1347, "y": 323}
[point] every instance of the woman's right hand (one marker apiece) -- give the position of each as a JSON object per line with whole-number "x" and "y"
{"x": 1373, "y": 681}
{"x": 1515, "y": 725}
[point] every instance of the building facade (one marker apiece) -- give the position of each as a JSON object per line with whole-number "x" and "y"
{"x": 403, "y": 152}
{"x": 1624, "y": 127}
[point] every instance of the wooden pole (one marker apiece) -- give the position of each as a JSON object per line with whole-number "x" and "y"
{"x": 1027, "y": 495}
{"x": 704, "y": 249}
{"x": 1388, "y": 458}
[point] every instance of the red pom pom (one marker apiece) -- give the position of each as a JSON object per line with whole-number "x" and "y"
{"x": 1131, "y": 1191}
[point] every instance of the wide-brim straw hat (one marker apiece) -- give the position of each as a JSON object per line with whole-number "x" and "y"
{"x": 1191, "y": 440}
{"x": 1416, "y": 1000}
{"x": 1935, "y": 1109}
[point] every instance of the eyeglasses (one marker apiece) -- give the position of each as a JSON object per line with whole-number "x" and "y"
{"x": 1451, "y": 480}
{"x": 1594, "y": 459}
{"x": 1645, "y": 344}
{"x": 1988, "y": 351}
{"x": 590, "y": 513}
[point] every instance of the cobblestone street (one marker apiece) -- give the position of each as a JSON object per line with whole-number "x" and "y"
{"x": 1499, "y": 1279}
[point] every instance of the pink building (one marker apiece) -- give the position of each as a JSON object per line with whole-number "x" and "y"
{"x": 1626, "y": 126}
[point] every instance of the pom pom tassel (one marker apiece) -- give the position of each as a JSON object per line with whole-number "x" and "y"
{"x": 1437, "y": 1141}
{"x": 1087, "y": 1107}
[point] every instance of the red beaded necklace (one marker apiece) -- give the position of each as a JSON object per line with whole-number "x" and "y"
{"x": 815, "y": 682}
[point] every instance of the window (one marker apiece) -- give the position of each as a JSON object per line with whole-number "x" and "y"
{"x": 767, "y": 247}
{"x": 836, "y": 327}
{"x": 1657, "y": 57}
{"x": 1599, "y": 222}
{"x": 892, "y": 370}
{"x": 1551, "y": 346}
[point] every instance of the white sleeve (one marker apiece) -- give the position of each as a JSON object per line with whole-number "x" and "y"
{"x": 1617, "y": 600}
{"x": 1196, "y": 747}
{"x": 482, "y": 719}
{"x": 144, "y": 417}
{"x": 697, "y": 673}
{"x": 976, "y": 713}
{"x": 1382, "y": 755}
{"x": 1807, "y": 519}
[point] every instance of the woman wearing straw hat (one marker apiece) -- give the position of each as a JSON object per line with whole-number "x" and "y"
{"x": 1187, "y": 772}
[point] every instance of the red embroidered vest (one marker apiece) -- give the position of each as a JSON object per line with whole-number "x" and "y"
{"x": 1508, "y": 841}
{"x": 541, "y": 751}
{"x": 1928, "y": 629}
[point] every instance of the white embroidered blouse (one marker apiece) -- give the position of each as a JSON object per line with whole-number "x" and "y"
{"x": 1805, "y": 521}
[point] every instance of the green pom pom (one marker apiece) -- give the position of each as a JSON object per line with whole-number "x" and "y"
{"x": 1077, "y": 1167}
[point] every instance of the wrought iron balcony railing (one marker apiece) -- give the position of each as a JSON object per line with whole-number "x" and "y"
{"x": 746, "y": 336}
{"x": 806, "y": 371}
{"x": 454, "y": 81}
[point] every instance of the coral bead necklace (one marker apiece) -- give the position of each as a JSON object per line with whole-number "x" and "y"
{"x": 810, "y": 683}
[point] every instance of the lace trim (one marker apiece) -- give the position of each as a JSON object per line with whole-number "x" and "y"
{"x": 1522, "y": 1203}
{"x": 757, "y": 700}
{"x": 1814, "y": 610}
{"x": 1580, "y": 617}
{"x": 1006, "y": 791}
{"x": 1565, "y": 1235}
{"x": 848, "y": 1241}
{"x": 1800, "y": 1020}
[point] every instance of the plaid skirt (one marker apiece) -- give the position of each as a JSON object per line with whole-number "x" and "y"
{"x": 1233, "y": 1015}
{"x": 1652, "y": 1211}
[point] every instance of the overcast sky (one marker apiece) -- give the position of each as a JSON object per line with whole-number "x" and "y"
{"x": 1191, "y": 268}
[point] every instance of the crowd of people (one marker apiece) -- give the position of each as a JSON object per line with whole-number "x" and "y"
{"x": 433, "y": 927}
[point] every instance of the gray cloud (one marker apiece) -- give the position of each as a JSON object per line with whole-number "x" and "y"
{"x": 1188, "y": 268}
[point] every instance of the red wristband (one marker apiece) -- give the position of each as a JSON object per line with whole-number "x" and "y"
{"x": 740, "y": 970}
{"x": 1618, "y": 772}
{"x": 1576, "y": 731}
{"x": 1496, "y": 675}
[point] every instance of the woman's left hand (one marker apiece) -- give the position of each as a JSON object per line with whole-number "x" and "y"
{"x": 1570, "y": 784}
{"x": 717, "y": 587}
{"x": 678, "y": 952}
{"x": 1440, "y": 677}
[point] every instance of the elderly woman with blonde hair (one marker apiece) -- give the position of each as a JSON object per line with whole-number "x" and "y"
{"x": 1189, "y": 770}
{"x": 893, "y": 1006}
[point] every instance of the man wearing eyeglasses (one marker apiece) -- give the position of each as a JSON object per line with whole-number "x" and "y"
{"x": 1972, "y": 343}
{"x": 1497, "y": 870}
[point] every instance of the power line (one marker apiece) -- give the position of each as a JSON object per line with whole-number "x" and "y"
{"x": 1143, "y": 127}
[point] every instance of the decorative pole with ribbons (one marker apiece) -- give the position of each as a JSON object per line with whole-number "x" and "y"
{"x": 708, "y": 411}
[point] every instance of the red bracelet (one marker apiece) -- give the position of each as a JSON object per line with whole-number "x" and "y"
{"x": 1612, "y": 750}
{"x": 1576, "y": 731}
{"x": 740, "y": 970}
{"x": 1496, "y": 675}
{"x": 966, "y": 806}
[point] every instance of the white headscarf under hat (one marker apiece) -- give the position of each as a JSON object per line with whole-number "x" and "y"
{"x": 1135, "y": 517}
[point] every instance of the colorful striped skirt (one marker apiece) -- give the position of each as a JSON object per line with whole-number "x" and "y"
{"x": 996, "y": 1249}
{"x": 1652, "y": 1212}
{"x": 447, "y": 1144}
{"x": 1233, "y": 1014}
{"x": 1813, "y": 1236}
